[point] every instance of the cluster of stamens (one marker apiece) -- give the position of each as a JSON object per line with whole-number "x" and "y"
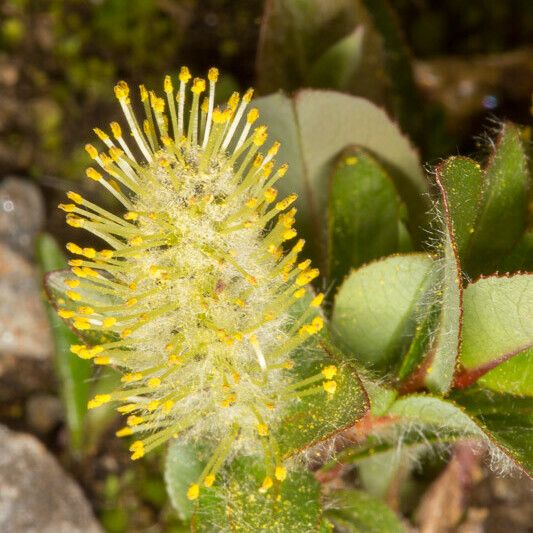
{"x": 193, "y": 296}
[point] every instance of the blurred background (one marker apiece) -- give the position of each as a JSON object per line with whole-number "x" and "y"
{"x": 446, "y": 71}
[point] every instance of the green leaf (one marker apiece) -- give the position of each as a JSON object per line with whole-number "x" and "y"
{"x": 315, "y": 418}
{"x": 73, "y": 373}
{"x": 311, "y": 42}
{"x": 502, "y": 214}
{"x": 183, "y": 466}
{"x": 405, "y": 95}
{"x": 374, "y": 310}
{"x": 506, "y": 419}
{"x": 462, "y": 179}
{"x": 497, "y": 344}
{"x": 488, "y": 207}
{"x": 315, "y": 126}
{"x": 293, "y": 505}
{"x": 444, "y": 350}
{"x": 364, "y": 213}
{"x": 509, "y": 431}
{"x": 356, "y": 512}
{"x": 56, "y": 289}
{"x": 336, "y": 66}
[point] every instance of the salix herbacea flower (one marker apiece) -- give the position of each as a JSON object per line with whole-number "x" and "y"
{"x": 192, "y": 293}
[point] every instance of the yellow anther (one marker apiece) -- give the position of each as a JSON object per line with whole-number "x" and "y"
{"x": 115, "y": 153}
{"x": 122, "y": 90}
{"x": 286, "y": 202}
{"x": 262, "y": 430}
{"x": 270, "y": 194}
{"x": 300, "y": 293}
{"x": 89, "y": 272}
{"x": 282, "y": 170}
{"x": 131, "y": 302}
{"x": 73, "y": 295}
{"x": 212, "y": 75}
{"x": 288, "y": 365}
{"x": 109, "y": 321}
{"x": 75, "y": 197}
{"x": 130, "y": 378}
{"x": 143, "y": 92}
{"x": 205, "y": 105}
{"x": 304, "y": 265}
{"x": 218, "y": 116}
{"x": 68, "y": 208}
{"x": 128, "y": 408}
{"x": 169, "y": 88}
{"x": 280, "y": 473}
{"x": 106, "y": 254}
{"x": 85, "y": 310}
{"x": 167, "y": 406}
{"x": 131, "y": 215}
{"x": 289, "y": 234}
{"x": 184, "y": 75}
{"x": 317, "y": 323}
{"x": 233, "y": 101}
{"x": 138, "y": 450}
{"x": 153, "y": 383}
{"x": 74, "y": 248}
{"x": 102, "y": 135}
{"x": 198, "y": 86}
{"x": 89, "y": 252}
{"x": 116, "y": 130}
{"x": 351, "y": 160}
{"x": 305, "y": 277}
{"x": 93, "y": 174}
{"x": 252, "y": 115}
{"x": 72, "y": 283}
{"x": 136, "y": 241}
{"x": 273, "y": 150}
{"x": 267, "y": 484}
{"x": 193, "y": 492}
{"x": 75, "y": 262}
{"x": 91, "y": 150}
{"x": 209, "y": 480}
{"x": 330, "y": 386}
{"x": 317, "y": 300}
{"x": 157, "y": 103}
{"x": 329, "y": 372}
{"x": 65, "y": 313}
{"x": 134, "y": 420}
{"x": 102, "y": 360}
{"x": 81, "y": 324}
{"x": 260, "y": 135}
{"x": 153, "y": 405}
{"x": 124, "y": 432}
{"x": 248, "y": 95}
{"x": 251, "y": 203}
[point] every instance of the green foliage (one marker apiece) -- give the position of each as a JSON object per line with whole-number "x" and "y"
{"x": 488, "y": 207}
{"x": 375, "y": 308}
{"x": 497, "y": 343}
{"x": 312, "y": 419}
{"x": 315, "y": 126}
{"x": 293, "y": 505}
{"x": 355, "y": 512}
{"x": 73, "y": 373}
{"x": 359, "y": 184}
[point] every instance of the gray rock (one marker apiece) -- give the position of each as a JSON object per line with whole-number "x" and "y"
{"x": 36, "y": 496}
{"x": 24, "y": 329}
{"x": 21, "y": 214}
